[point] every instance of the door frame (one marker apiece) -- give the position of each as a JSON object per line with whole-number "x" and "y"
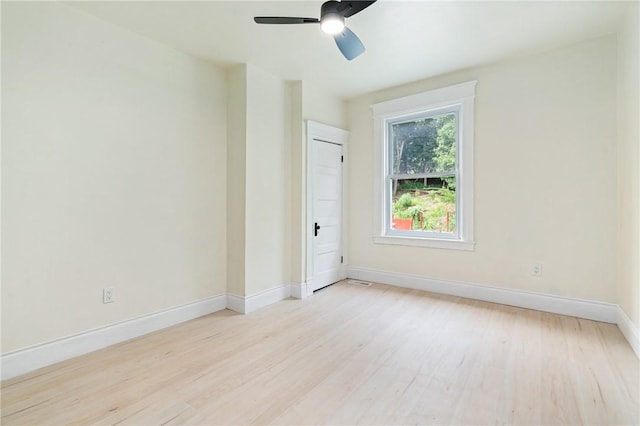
{"x": 334, "y": 135}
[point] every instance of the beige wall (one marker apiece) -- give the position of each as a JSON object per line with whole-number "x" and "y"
{"x": 236, "y": 177}
{"x": 298, "y": 183}
{"x": 268, "y": 179}
{"x": 318, "y": 106}
{"x": 113, "y": 174}
{"x": 629, "y": 164}
{"x": 545, "y": 177}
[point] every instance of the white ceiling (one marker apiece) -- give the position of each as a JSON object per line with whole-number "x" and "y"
{"x": 405, "y": 40}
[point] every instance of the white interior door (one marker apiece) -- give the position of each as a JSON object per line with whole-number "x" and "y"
{"x": 326, "y": 232}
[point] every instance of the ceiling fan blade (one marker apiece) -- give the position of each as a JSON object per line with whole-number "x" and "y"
{"x": 349, "y": 44}
{"x": 284, "y": 20}
{"x": 350, "y": 8}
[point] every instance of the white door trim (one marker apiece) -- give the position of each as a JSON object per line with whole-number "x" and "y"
{"x": 323, "y": 132}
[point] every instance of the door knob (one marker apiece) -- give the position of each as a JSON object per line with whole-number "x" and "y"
{"x": 316, "y": 228}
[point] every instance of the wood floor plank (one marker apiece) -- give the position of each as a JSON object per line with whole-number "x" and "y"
{"x": 347, "y": 355}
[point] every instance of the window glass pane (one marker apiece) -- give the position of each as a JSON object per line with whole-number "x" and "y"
{"x": 425, "y": 204}
{"x": 423, "y": 145}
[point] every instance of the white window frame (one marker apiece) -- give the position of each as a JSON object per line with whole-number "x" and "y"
{"x": 460, "y": 98}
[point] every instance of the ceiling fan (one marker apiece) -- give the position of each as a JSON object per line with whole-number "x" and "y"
{"x": 332, "y": 14}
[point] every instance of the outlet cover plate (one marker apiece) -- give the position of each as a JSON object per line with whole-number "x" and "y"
{"x": 107, "y": 295}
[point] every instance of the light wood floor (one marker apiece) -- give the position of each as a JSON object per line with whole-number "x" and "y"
{"x": 348, "y": 355}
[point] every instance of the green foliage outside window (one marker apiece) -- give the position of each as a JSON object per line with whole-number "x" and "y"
{"x": 431, "y": 208}
{"x": 424, "y": 146}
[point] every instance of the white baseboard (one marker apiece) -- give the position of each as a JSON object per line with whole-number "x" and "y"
{"x": 598, "y": 311}
{"x": 248, "y": 304}
{"x": 267, "y": 297}
{"x": 24, "y": 360}
{"x": 28, "y": 359}
{"x": 629, "y": 330}
{"x": 299, "y": 290}
{"x": 236, "y": 303}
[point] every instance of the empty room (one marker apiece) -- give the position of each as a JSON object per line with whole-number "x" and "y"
{"x": 306, "y": 212}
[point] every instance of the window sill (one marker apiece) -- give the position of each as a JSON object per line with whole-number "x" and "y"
{"x": 425, "y": 242}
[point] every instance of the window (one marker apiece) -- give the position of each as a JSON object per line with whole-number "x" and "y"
{"x": 424, "y": 169}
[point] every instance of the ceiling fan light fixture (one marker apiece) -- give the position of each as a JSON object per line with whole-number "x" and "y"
{"x": 332, "y": 23}
{"x": 332, "y": 16}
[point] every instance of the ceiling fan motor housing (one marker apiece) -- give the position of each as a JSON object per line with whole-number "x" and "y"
{"x": 329, "y": 7}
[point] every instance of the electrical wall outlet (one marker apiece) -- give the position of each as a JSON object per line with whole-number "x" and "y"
{"x": 536, "y": 269}
{"x": 107, "y": 295}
